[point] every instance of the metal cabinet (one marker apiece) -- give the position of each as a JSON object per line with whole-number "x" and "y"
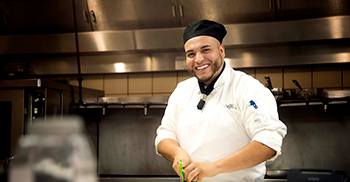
{"x": 42, "y": 16}
{"x": 145, "y": 14}
{"x": 301, "y": 9}
{"x": 82, "y": 16}
{"x": 227, "y": 11}
{"x": 134, "y": 14}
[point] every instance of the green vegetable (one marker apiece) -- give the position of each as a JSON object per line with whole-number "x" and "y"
{"x": 182, "y": 171}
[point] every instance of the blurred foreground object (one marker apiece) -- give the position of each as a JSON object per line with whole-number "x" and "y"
{"x": 54, "y": 151}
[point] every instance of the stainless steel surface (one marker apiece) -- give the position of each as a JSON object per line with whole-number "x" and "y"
{"x": 170, "y": 38}
{"x": 141, "y": 14}
{"x": 103, "y": 41}
{"x": 146, "y": 103}
{"x": 51, "y": 65}
{"x": 123, "y": 131}
{"x": 335, "y": 94}
{"x": 329, "y": 97}
{"x": 56, "y": 16}
{"x": 288, "y": 31}
{"x": 315, "y": 139}
{"x": 161, "y": 49}
{"x": 274, "y": 180}
{"x": 170, "y": 179}
{"x": 300, "y": 9}
{"x": 335, "y": 97}
{"x": 126, "y": 142}
{"x": 146, "y": 99}
{"x": 164, "y": 61}
{"x": 283, "y": 55}
{"x": 50, "y": 43}
{"x": 131, "y": 15}
{"x": 116, "y": 63}
{"x": 337, "y": 27}
{"x": 288, "y": 55}
{"x": 276, "y": 173}
{"x": 226, "y": 11}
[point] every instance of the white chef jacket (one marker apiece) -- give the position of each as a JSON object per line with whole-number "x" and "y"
{"x": 239, "y": 110}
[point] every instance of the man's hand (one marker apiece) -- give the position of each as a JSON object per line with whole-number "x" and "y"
{"x": 172, "y": 152}
{"x": 186, "y": 160}
{"x": 199, "y": 170}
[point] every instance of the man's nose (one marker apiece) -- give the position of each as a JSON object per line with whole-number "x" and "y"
{"x": 199, "y": 58}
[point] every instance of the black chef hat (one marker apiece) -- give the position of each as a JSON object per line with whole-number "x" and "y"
{"x": 204, "y": 27}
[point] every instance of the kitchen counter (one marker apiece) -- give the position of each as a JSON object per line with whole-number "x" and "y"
{"x": 160, "y": 179}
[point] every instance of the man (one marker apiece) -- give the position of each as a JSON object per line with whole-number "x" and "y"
{"x": 222, "y": 123}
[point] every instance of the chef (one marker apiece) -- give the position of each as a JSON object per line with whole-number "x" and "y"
{"x": 222, "y": 124}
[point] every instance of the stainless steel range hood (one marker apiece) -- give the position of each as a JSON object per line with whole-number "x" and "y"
{"x": 337, "y": 27}
{"x": 280, "y": 43}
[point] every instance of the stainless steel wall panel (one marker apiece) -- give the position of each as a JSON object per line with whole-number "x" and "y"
{"x": 164, "y": 61}
{"x": 117, "y": 63}
{"x": 101, "y": 41}
{"x": 50, "y": 43}
{"x": 288, "y": 31}
{"x": 287, "y": 55}
{"x": 315, "y": 139}
{"x": 54, "y": 65}
{"x": 159, "y": 39}
{"x": 126, "y": 143}
{"x": 282, "y": 55}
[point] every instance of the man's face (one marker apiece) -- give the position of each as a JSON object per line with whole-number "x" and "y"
{"x": 204, "y": 58}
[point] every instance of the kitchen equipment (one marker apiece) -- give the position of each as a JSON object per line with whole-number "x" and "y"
{"x": 276, "y": 173}
{"x": 54, "y": 150}
{"x": 306, "y": 175}
{"x": 279, "y": 93}
{"x": 308, "y": 93}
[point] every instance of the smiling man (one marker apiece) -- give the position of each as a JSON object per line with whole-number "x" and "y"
{"x": 222, "y": 123}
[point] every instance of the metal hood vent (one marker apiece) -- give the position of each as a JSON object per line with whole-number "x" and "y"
{"x": 336, "y": 27}
{"x": 283, "y": 43}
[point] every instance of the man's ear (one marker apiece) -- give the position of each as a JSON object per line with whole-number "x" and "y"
{"x": 222, "y": 50}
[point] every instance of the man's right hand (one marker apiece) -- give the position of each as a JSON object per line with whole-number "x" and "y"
{"x": 172, "y": 152}
{"x": 186, "y": 160}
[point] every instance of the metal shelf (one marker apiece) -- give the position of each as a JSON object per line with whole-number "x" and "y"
{"x": 329, "y": 97}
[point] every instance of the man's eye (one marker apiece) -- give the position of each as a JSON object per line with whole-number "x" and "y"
{"x": 190, "y": 54}
{"x": 206, "y": 50}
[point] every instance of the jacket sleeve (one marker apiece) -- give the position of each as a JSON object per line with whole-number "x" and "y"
{"x": 260, "y": 116}
{"x": 167, "y": 128}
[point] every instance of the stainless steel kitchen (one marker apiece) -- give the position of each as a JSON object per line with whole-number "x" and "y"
{"x": 115, "y": 63}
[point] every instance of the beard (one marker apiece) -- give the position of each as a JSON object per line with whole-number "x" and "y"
{"x": 215, "y": 67}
